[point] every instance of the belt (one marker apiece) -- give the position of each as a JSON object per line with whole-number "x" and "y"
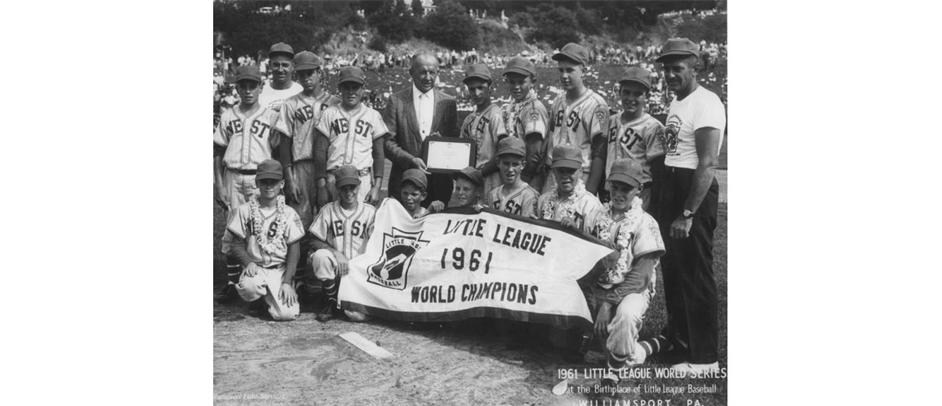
{"x": 243, "y": 171}
{"x": 361, "y": 172}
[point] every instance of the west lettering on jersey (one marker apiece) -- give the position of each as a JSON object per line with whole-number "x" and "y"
{"x": 234, "y": 127}
{"x": 340, "y": 126}
{"x": 304, "y": 114}
{"x": 482, "y": 123}
{"x": 260, "y": 129}
{"x": 363, "y": 128}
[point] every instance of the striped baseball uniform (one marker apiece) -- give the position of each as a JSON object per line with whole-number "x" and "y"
{"x": 640, "y": 140}
{"x": 485, "y": 128}
{"x": 526, "y": 117}
{"x": 521, "y": 200}
{"x": 298, "y": 116}
{"x": 346, "y": 231}
{"x": 581, "y": 206}
{"x": 351, "y": 135}
{"x": 296, "y": 120}
{"x": 243, "y": 151}
{"x": 267, "y": 281}
{"x": 575, "y": 124}
{"x": 638, "y": 234}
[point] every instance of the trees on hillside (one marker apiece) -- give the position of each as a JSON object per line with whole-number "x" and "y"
{"x": 452, "y": 27}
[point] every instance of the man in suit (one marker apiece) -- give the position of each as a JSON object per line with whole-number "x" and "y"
{"x": 411, "y": 116}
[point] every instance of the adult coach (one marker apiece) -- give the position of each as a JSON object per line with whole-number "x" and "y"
{"x": 688, "y": 207}
{"x": 282, "y": 84}
{"x": 411, "y": 116}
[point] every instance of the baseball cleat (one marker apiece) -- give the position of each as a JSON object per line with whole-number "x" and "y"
{"x": 328, "y": 312}
{"x": 227, "y": 295}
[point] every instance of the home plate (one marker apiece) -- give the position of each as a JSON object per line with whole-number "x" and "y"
{"x": 366, "y": 345}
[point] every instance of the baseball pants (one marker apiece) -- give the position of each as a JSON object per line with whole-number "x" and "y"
{"x": 239, "y": 188}
{"x": 304, "y": 178}
{"x": 267, "y": 284}
{"x": 687, "y": 266}
{"x": 623, "y": 329}
{"x": 366, "y": 182}
{"x": 325, "y": 269}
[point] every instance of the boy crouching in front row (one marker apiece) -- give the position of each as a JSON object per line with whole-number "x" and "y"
{"x": 341, "y": 231}
{"x": 265, "y": 234}
{"x": 620, "y": 293}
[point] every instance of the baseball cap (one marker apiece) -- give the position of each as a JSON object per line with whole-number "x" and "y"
{"x": 567, "y": 156}
{"x": 521, "y": 65}
{"x": 281, "y": 48}
{"x": 626, "y": 171}
{"x": 478, "y": 70}
{"x": 248, "y": 72}
{"x": 511, "y": 145}
{"x": 415, "y": 176}
{"x": 307, "y": 60}
{"x": 678, "y": 47}
{"x": 637, "y": 75}
{"x": 471, "y": 174}
{"x": 269, "y": 169}
{"x": 346, "y": 175}
{"x": 352, "y": 74}
{"x": 572, "y": 54}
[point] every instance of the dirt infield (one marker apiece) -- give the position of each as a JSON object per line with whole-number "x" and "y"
{"x": 261, "y": 362}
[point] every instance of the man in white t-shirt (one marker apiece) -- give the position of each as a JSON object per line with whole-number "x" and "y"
{"x": 282, "y": 85}
{"x": 687, "y": 208}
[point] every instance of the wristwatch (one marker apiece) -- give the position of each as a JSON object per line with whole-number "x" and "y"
{"x": 688, "y": 214}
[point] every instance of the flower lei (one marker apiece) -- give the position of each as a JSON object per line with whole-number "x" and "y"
{"x": 513, "y": 108}
{"x": 615, "y": 273}
{"x": 281, "y": 223}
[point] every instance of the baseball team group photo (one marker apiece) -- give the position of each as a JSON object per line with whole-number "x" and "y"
{"x": 470, "y": 202}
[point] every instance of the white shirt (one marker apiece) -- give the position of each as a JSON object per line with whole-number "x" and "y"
{"x": 699, "y": 109}
{"x": 424, "y": 106}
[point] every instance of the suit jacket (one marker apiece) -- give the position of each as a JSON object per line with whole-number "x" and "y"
{"x": 404, "y": 141}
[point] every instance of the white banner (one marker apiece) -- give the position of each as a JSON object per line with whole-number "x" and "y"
{"x": 450, "y": 266}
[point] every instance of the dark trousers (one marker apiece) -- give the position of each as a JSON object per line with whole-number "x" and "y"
{"x": 439, "y": 188}
{"x": 687, "y": 266}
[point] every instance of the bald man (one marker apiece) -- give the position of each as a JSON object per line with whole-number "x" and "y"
{"x": 411, "y": 116}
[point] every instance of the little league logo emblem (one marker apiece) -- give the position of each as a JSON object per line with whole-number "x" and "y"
{"x": 670, "y": 134}
{"x": 391, "y": 270}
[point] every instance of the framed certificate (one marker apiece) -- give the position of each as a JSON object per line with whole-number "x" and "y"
{"x": 448, "y": 154}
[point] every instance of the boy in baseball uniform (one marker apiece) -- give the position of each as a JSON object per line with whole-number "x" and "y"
{"x": 466, "y": 193}
{"x": 349, "y": 133}
{"x": 296, "y": 122}
{"x": 579, "y": 117}
{"x": 265, "y": 234}
{"x": 413, "y": 191}
{"x": 241, "y": 142}
{"x": 513, "y": 196}
{"x": 525, "y": 117}
{"x": 485, "y": 125}
{"x": 635, "y": 135}
{"x": 620, "y": 290}
{"x": 341, "y": 231}
{"x": 571, "y": 205}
